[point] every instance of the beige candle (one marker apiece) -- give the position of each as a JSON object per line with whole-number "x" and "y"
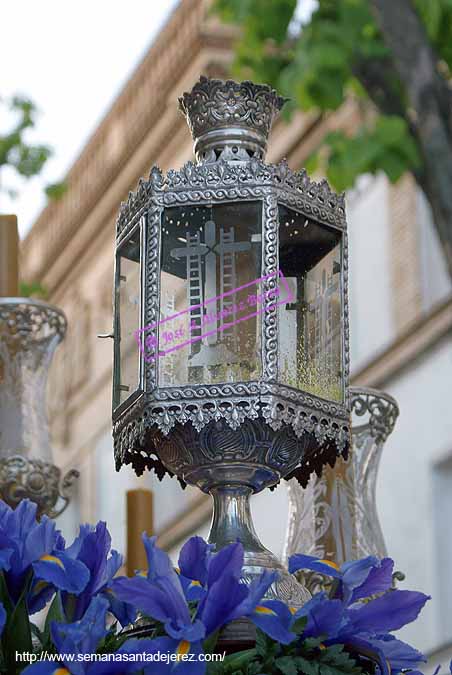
{"x": 139, "y": 520}
{"x": 9, "y": 257}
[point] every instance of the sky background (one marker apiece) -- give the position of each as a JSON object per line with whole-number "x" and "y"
{"x": 71, "y": 59}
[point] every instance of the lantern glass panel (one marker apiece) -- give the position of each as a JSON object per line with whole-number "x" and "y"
{"x": 209, "y": 329}
{"x": 310, "y": 327}
{"x": 127, "y": 319}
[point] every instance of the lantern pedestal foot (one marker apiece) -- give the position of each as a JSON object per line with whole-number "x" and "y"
{"x": 232, "y": 522}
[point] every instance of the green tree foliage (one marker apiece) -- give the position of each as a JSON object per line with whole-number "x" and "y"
{"x": 24, "y": 158}
{"x": 344, "y": 50}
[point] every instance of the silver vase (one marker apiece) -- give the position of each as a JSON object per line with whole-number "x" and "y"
{"x": 30, "y": 331}
{"x": 336, "y": 516}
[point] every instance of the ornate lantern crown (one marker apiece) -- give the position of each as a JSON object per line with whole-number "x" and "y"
{"x": 231, "y": 120}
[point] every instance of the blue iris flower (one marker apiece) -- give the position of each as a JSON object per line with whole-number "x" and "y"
{"x": 200, "y": 568}
{"x": 194, "y": 560}
{"x": 28, "y": 545}
{"x": 160, "y": 595}
{"x": 346, "y": 619}
{"x": 324, "y": 616}
{"x": 271, "y": 616}
{"x": 91, "y": 548}
{"x": 400, "y": 655}
{"x": 356, "y": 579}
{"x": 76, "y": 640}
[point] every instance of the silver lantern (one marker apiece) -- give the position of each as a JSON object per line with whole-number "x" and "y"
{"x": 231, "y": 319}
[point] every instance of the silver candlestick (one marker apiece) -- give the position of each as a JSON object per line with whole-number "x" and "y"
{"x": 30, "y": 331}
{"x": 336, "y": 516}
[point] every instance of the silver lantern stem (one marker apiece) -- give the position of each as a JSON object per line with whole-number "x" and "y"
{"x": 232, "y": 522}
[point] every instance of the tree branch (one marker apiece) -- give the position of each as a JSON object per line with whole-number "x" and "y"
{"x": 428, "y": 97}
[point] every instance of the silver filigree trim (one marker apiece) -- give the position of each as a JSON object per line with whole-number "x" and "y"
{"x": 24, "y": 321}
{"x": 41, "y": 482}
{"x": 382, "y": 409}
{"x": 223, "y": 180}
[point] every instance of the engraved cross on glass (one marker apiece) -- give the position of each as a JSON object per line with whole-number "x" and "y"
{"x": 212, "y": 352}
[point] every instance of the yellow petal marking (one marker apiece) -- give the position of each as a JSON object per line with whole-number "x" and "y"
{"x": 330, "y": 563}
{"x": 293, "y": 610}
{"x": 195, "y": 583}
{"x": 39, "y": 586}
{"x": 263, "y": 610}
{"x": 61, "y": 671}
{"x": 182, "y": 648}
{"x": 53, "y": 559}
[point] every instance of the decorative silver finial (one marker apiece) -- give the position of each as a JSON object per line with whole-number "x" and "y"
{"x": 230, "y": 120}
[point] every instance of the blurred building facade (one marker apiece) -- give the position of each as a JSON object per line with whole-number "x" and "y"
{"x": 401, "y": 320}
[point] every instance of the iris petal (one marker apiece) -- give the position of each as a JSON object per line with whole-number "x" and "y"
{"x": 324, "y": 616}
{"x": 228, "y": 561}
{"x": 309, "y": 562}
{"x": 387, "y": 613}
{"x": 274, "y": 618}
{"x": 222, "y": 603}
{"x": 400, "y": 655}
{"x": 194, "y": 558}
{"x": 64, "y": 573}
{"x": 378, "y": 580}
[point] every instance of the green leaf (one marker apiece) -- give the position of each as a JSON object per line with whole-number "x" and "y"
{"x": 340, "y": 178}
{"x": 34, "y": 289}
{"x": 15, "y": 152}
{"x": 261, "y": 643}
{"x": 235, "y": 662}
{"x": 55, "y": 613}
{"x": 17, "y": 632}
{"x": 5, "y": 597}
{"x": 329, "y": 670}
{"x": 56, "y": 190}
{"x": 334, "y": 660}
{"x": 313, "y": 642}
{"x": 431, "y": 13}
{"x": 37, "y": 633}
{"x": 210, "y": 642}
{"x": 286, "y": 665}
{"x": 390, "y": 129}
{"x": 312, "y": 163}
{"x": 306, "y": 666}
{"x": 393, "y": 165}
{"x": 299, "y": 625}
